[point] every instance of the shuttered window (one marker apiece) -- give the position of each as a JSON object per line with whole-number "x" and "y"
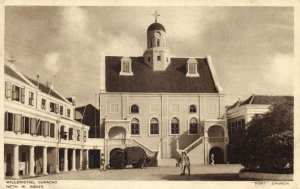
{"x": 52, "y": 130}
{"x": 8, "y": 89}
{"x": 43, "y": 105}
{"x": 78, "y": 135}
{"x": 68, "y": 113}
{"x": 16, "y": 93}
{"x": 9, "y": 121}
{"x": 26, "y": 125}
{"x": 31, "y": 98}
{"x": 84, "y": 136}
{"x": 52, "y": 107}
{"x": 56, "y": 108}
{"x": 70, "y": 133}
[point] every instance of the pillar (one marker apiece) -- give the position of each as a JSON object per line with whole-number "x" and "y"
{"x": 87, "y": 159}
{"x": 57, "y": 161}
{"x": 31, "y": 161}
{"x": 66, "y": 160}
{"x": 16, "y": 162}
{"x": 80, "y": 159}
{"x": 74, "y": 160}
{"x": 45, "y": 161}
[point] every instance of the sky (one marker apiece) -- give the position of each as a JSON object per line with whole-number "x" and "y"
{"x": 252, "y": 48}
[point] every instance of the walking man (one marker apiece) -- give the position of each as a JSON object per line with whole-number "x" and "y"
{"x": 185, "y": 163}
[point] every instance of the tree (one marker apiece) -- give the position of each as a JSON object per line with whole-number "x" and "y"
{"x": 268, "y": 142}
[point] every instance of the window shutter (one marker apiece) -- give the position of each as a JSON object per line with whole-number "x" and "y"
{"x": 56, "y": 108}
{"x": 46, "y": 128}
{"x": 13, "y": 92}
{"x": 6, "y": 121}
{"x": 8, "y": 89}
{"x": 33, "y": 126}
{"x": 23, "y": 95}
{"x": 23, "y": 124}
{"x": 18, "y": 123}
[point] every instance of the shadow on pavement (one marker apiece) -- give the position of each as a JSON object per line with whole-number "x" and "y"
{"x": 204, "y": 177}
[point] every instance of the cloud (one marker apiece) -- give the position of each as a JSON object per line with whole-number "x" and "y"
{"x": 280, "y": 73}
{"x": 74, "y": 23}
{"x": 51, "y": 62}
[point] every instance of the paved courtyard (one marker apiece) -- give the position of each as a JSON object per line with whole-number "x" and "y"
{"x": 204, "y": 172}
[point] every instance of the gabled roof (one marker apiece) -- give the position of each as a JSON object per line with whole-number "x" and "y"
{"x": 172, "y": 80}
{"x": 9, "y": 71}
{"x": 25, "y": 79}
{"x": 45, "y": 89}
{"x": 264, "y": 100}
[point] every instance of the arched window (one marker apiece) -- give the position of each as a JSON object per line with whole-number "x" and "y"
{"x": 154, "y": 126}
{"x": 174, "y": 126}
{"x": 193, "y": 109}
{"x": 70, "y": 133}
{"x": 158, "y": 42}
{"x": 134, "y": 109}
{"x": 135, "y": 127}
{"x": 193, "y": 126}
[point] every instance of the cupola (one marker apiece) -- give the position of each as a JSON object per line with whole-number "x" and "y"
{"x": 157, "y": 56}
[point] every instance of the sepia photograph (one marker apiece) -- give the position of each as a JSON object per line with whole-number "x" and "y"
{"x": 118, "y": 93}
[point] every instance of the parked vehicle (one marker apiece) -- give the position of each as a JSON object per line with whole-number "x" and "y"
{"x": 134, "y": 156}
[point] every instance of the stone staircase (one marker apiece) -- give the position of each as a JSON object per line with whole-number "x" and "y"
{"x": 133, "y": 142}
{"x": 192, "y": 146}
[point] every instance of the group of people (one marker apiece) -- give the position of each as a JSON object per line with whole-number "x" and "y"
{"x": 185, "y": 163}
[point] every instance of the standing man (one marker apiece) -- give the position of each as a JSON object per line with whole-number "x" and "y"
{"x": 212, "y": 158}
{"x": 102, "y": 163}
{"x": 186, "y": 163}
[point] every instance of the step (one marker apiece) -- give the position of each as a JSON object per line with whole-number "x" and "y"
{"x": 171, "y": 162}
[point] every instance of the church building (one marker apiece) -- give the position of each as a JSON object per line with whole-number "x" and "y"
{"x": 163, "y": 104}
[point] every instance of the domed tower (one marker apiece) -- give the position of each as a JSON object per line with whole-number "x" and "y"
{"x": 157, "y": 55}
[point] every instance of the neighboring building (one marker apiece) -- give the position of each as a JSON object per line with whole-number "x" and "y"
{"x": 41, "y": 135}
{"x": 163, "y": 104}
{"x": 89, "y": 115}
{"x": 241, "y": 113}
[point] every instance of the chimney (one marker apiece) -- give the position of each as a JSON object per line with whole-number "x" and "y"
{"x": 102, "y": 72}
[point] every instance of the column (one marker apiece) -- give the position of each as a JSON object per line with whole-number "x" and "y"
{"x": 66, "y": 160}
{"x": 74, "y": 160}
{"x": 45, "y": 161}
{"x": 16, "y": 162}
{"x": 31, "y": 161}
{"x": 80, "y": 159}
{"x": 87, "y": 159}
{"x": 57, "y": 161}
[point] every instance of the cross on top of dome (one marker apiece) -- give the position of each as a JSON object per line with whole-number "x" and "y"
{"x": 156, "y": 15}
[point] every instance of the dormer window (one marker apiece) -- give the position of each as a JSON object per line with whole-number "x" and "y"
{"x": 192, "y": 68}
{"x": 126, "y": 66}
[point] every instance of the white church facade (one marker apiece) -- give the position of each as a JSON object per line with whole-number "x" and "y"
{"x": 163, "y": 104}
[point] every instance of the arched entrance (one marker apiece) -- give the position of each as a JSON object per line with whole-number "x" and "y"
{"x": 218, "y": 155}
{"x": 117, "y": 133}
{"x": 215, "y": 131}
